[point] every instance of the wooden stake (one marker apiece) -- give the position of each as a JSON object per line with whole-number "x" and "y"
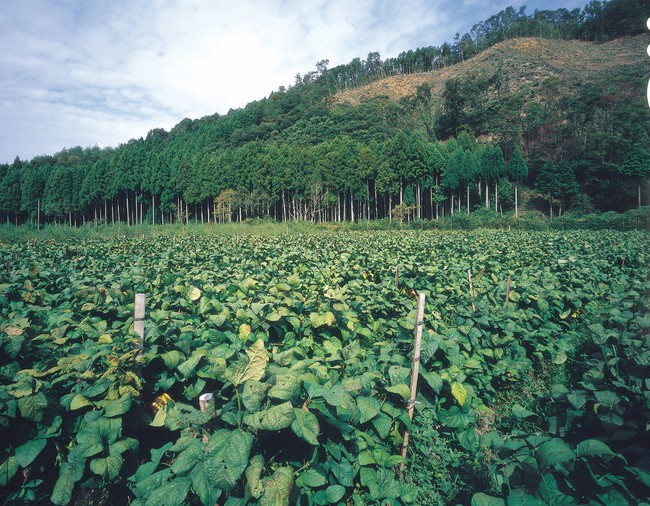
{"x": 507, "y": 291}
{"x": 138, "y": 321}
{"x": 471, "y": 288}
{"x": 396, "y": 275}
{"x": 415, "y": 371}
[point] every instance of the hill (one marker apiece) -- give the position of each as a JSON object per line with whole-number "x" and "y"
{"x": 524, "y": 61}
{"x": 565, "y": 120}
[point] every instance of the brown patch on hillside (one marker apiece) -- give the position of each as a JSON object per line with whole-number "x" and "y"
{"x": 522, "y": 61}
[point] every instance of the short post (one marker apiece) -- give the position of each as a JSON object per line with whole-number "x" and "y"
{"x": 138, "y": 322}
{"x": 396, "y": 275}
{"x": 204, "y": 401}
{"x": 508, "y": 290}
{"x": 415, "y": 371}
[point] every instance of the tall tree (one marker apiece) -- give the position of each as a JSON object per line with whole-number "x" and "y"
{"x": 517, "y": 171}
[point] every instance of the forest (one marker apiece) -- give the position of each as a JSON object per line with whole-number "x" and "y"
{"x": 488, "y": 140}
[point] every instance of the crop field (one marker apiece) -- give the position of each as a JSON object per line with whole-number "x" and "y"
{"x": 534, "y": 379}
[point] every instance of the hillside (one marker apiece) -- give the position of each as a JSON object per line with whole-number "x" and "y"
{"x": 523, "y": 61}
{"x": 563, "y": 122}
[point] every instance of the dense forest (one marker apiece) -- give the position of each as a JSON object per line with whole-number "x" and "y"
{"x": 488, "y": 140}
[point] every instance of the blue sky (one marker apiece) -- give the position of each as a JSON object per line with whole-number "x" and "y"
{"x": 86, "y": 72}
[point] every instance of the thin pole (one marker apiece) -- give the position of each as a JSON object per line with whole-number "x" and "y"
{"x": 138, "y": 321}
{"x": 471, "y": 288}
{"x": 396, "y": 275}
{"x": 417, "y": 345}
{"x": 508, "y": 290}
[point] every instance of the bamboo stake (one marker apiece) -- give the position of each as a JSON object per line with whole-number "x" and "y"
{"x": 138, "y": 322}
{"x": 417, "y": 345}
{"x": 471, "y": 288}
{"x": 396, "y": 275}
{"x": 508, "y": 290}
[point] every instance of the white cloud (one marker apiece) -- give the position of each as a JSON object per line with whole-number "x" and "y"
{"x": 76, "y": 72}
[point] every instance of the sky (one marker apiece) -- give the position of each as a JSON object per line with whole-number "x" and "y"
{"x": 101, "y": 72}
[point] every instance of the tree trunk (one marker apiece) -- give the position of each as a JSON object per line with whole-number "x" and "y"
{"x": 496, "y": 195}
{"x": 467, "y": 198}
{"x": 487, "y": 195}
{"x": 376, "y": 201}
{"x": 128, "y": 214}
{"x": 516, "y": 203}
{"x": 351, "y": 207}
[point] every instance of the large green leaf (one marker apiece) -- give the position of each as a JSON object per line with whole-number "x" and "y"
{"x": 334, "y": 493}
{"x": 119, "y": 406}
{"x": 202, "y": 486}
{"x": 551, "y": 493}
{"x": 593, "y": 447}
{"x": 107, "y": 467}
{"x": 254, "y": 485}
{"x": 481, "y": 499}
{"x": 148, "y": 468}
{"x": 26, "y": 453}
{"x": 253, "y": 394}
{"x": 306, "y": 426}
{"x": 188, "y": 457}
{"x": 33, "y": 406}
{"x": 93, "y": 438}
{"x": 274, "y": 418}
{"x": 453, "y": 417}
{"x": 369, "y": 407}
{"x": 554, "y": 452}
{"x": 172, "y": 493}
{"x": 8, "y": 469}
{"x": 311, "y": 478}
{"x": 277, "y": 488}
{"x": 285, "y": 387}
{"x": 71, "y": 472}
{"x": 227, "y": 461}
{"x": 400, "y": 389}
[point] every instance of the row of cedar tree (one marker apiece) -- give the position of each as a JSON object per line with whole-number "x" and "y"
{"x": 296, "y": 155}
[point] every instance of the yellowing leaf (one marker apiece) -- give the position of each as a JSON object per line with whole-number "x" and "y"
{"x": 79, "y": 401}
{"x": 254, "y": 370}
{"x": 459, "y": 392}
{"x": 194, "y": 293}
{"x": 104, "y": 339}
{"x": 244, "y": 331}
{"x": 322, "y": 319}
{"x": 13, "y": 331}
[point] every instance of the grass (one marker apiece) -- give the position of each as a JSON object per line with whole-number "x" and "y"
{"x": 635, "y": 219}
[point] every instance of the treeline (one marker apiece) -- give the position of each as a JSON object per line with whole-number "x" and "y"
{"x": 490, "y": 142}
{"x": 598, "y": 21}
{"x": 405, "y": 176}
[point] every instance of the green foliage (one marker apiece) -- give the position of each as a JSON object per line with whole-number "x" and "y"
{"x": 304, "y": 343}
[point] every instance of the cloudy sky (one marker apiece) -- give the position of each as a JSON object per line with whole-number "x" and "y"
{"x": 86, "y": 72}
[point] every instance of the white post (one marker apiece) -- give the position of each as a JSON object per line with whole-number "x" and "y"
{"x": 417, "y": 345}
{"x": 138, "y": 321}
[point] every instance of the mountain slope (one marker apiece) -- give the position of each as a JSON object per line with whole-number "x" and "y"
{"x": 522, "y": 61}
